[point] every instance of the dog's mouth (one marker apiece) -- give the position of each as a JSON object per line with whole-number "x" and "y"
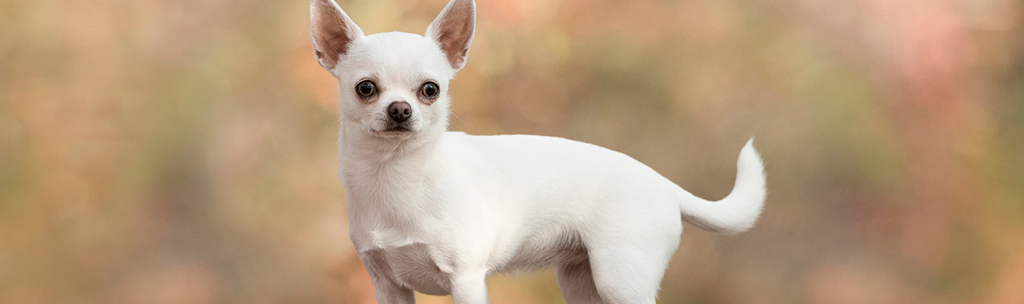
{"x": 396, "y": 128}
{"x": 391, "y": 129}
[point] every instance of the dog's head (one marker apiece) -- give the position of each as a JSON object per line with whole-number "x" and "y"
{"x": 393, "y": 85}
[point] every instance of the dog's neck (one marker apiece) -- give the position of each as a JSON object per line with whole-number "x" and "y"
{"x": 373, "y": 168}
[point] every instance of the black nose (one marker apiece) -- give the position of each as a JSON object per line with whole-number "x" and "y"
{"x": 399, "y": 111}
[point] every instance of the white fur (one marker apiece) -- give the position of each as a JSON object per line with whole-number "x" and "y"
{"x": 436, "y": 211}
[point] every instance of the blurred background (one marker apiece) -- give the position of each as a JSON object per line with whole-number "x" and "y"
{"x": 184, "y": 151}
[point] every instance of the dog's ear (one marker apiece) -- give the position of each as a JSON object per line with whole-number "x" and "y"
{"x": 331, "y": 31}
{"x": 453, "y": 30}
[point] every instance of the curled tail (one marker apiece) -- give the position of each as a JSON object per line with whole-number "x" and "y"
{"x": 738, "y": 211}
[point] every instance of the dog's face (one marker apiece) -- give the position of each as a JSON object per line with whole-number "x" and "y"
{"x": 393, "y": 85}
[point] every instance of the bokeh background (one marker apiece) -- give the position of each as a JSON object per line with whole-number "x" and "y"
{"x": 184, "y": 151}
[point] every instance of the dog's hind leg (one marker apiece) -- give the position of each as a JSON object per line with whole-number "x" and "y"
{"x": 577, "y": 284}
{"x": 628, "y": 260}
{"x": 625, "y": 275}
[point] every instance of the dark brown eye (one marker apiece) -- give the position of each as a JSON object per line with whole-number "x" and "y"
{"x": 366, "y": 88}
{"x": 430, "y": 90}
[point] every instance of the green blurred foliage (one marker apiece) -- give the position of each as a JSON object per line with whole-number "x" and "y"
{"x": 184, "y": 151}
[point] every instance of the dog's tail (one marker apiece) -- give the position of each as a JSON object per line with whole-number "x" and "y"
{"x": 738, "y": 211}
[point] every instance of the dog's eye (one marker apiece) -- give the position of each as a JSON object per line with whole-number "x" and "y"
{"x": 366, "y": 88}
{"x": 430, "y": 90}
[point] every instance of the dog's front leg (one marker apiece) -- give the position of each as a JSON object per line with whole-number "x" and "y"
{"x": 389, "y": 292}
{"x": 469, "y": 288}
{"x": 385, "y": 288}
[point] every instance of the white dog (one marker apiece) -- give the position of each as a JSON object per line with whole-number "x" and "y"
{"x": 436, "y": 211}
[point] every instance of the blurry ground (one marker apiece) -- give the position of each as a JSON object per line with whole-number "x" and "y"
{"x": 183, "y": 151}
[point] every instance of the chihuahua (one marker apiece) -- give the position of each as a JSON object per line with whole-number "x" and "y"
{"x": 437, "y": 211}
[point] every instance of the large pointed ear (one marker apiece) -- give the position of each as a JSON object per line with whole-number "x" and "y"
{"x": 331, "y": 31}
{"x": 453, "y": 30}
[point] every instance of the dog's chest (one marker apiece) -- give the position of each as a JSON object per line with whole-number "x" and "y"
{"x": 411, "y": 265}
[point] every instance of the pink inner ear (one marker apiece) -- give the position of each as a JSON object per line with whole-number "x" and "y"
{"x": 453, "y": 30}
{"x": 455, "y": 49}
{"x": 332, "y": 33}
